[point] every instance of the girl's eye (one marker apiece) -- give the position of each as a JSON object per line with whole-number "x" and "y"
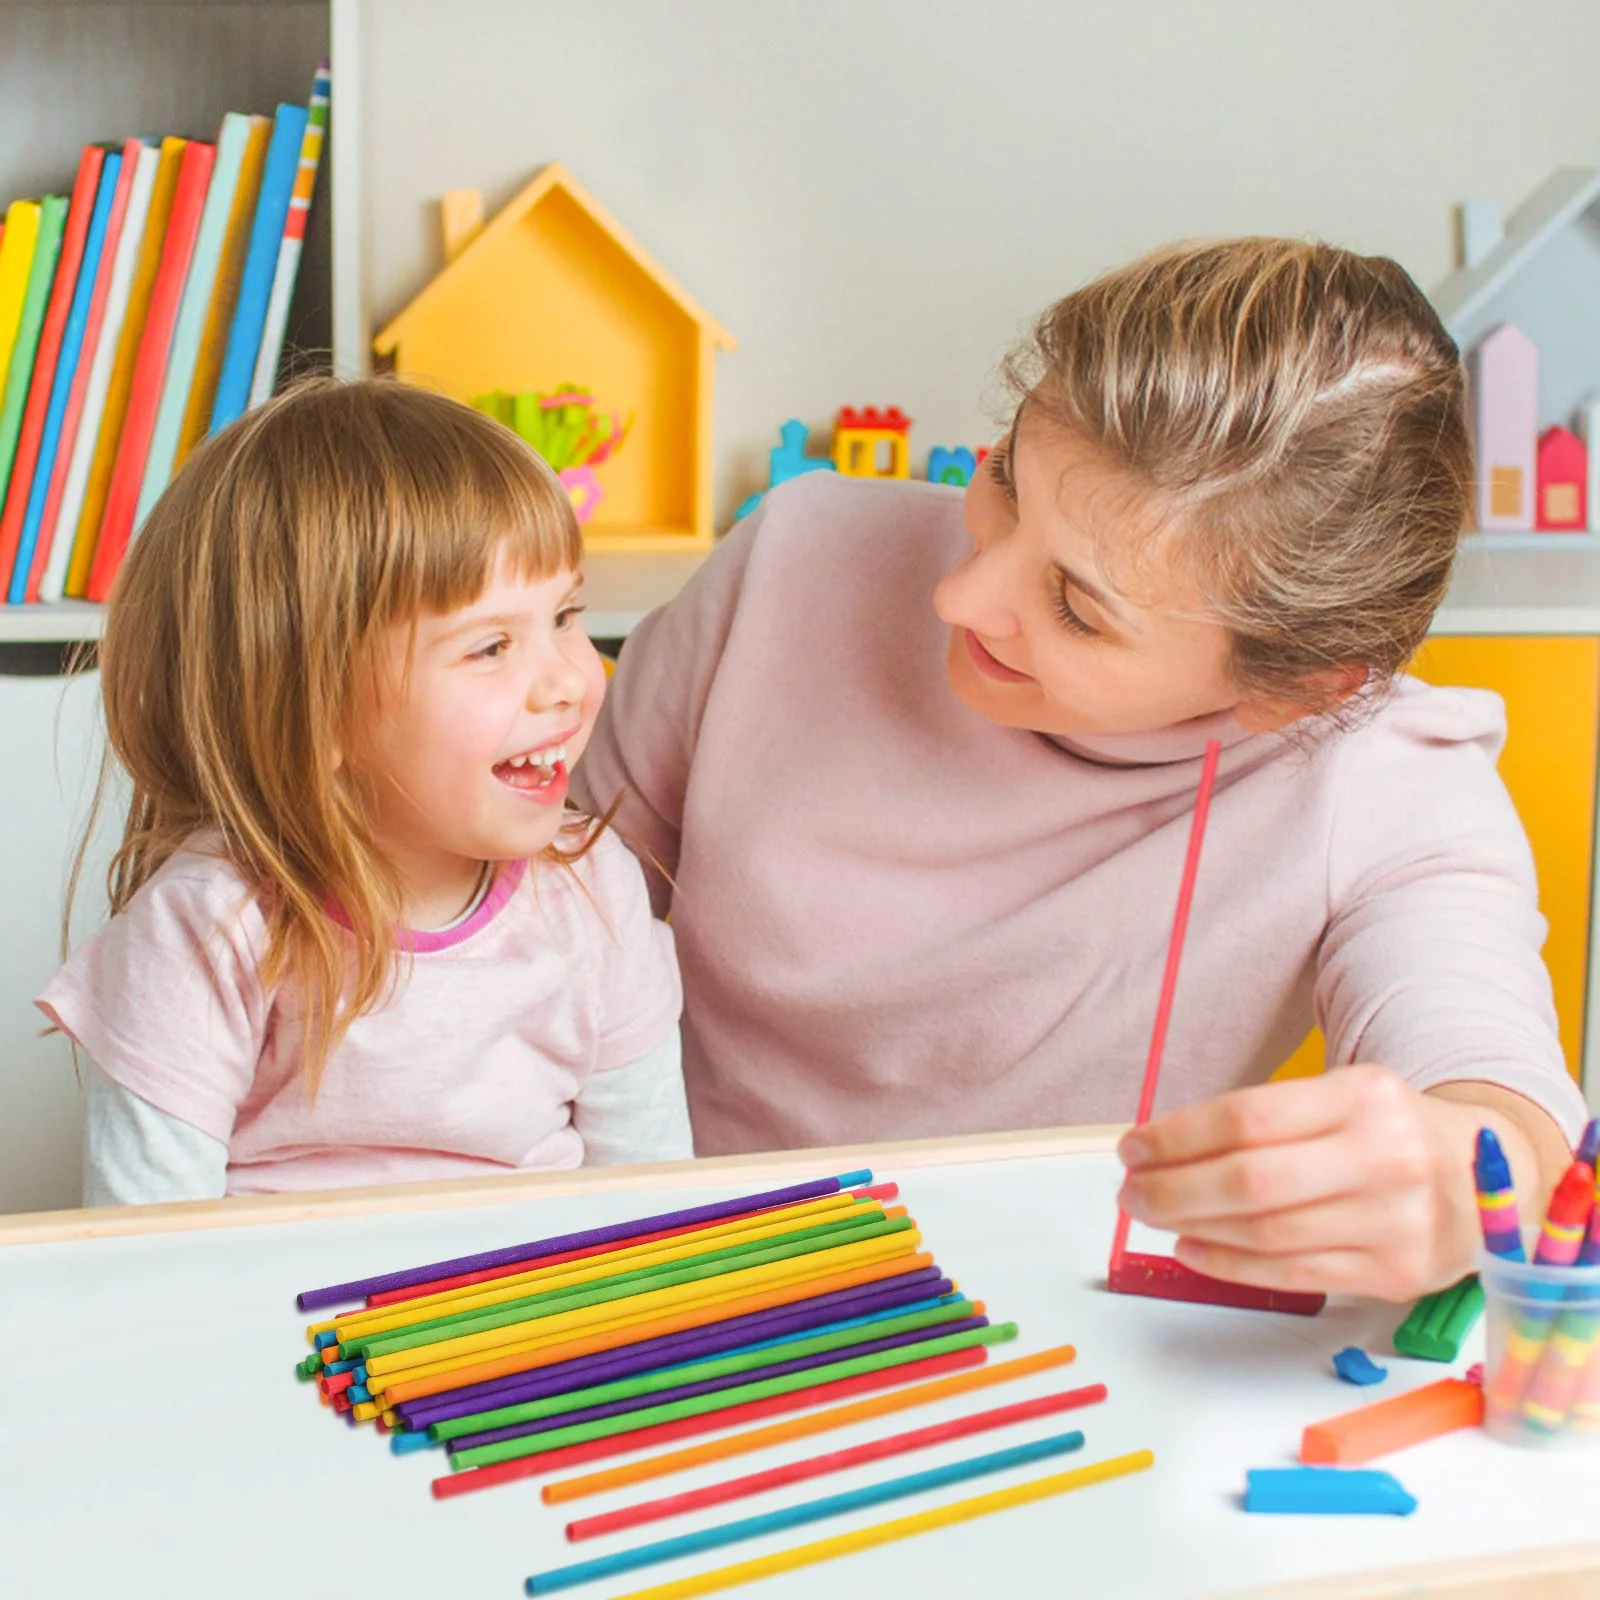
{"x": 567, "y": 616}
{"x": 492, "y": 651}
{"x": 1065, "y": 615}
{"x": 999, "y": 465}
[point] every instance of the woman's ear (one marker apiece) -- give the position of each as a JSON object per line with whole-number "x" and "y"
{"x": 1322, "y": 691}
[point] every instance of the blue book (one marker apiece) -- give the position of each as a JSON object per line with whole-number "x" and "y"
{"x": 260, "y": 265}
{"x": 66, "y": 369}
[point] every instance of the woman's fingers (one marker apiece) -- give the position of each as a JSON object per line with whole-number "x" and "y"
{"x": 1242, "y": 1183}
{"x": 1268, "y": 1113}
{"x": 1352, "y": 1222}
{"x": 1332, "y": 1271}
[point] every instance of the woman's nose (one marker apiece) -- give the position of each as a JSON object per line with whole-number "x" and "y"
{"x": 980, "y": 593}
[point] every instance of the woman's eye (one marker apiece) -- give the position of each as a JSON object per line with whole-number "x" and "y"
{"x": 999, "y": 464}
{"x": 1065, "y": 615}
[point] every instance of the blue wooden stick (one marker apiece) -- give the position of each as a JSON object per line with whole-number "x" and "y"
{"x": 832, "y": 1505}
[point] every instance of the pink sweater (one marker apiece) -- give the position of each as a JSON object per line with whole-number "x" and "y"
{"x": 896, "y": 919}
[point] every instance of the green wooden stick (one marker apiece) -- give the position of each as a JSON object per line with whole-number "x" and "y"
{"x": 844, "y": 1224}
{"x": 536, "y": 1444}
{"x": 1439, "y": 1322}
{"x": 614, "y": 1289}
{"x": 716, "y": 1367}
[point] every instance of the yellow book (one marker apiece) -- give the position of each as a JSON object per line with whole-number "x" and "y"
{"x": 16, "y": 258}
{"x": 235, "y": 244}
{"x": 105, "y": 449}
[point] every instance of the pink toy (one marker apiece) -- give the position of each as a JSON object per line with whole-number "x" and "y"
{"x": 1563, "y": 482}
{"x": 1503, "y": 378}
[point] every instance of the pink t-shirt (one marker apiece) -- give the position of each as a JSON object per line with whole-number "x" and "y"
{"x": 470, "y": 1068}
{"x": 897, "y": 919}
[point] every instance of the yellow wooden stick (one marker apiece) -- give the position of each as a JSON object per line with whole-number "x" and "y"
{"x": 386, "y": 1319}
{"x": 629, "y": 1330}
{"x": 347, "y": 1323}
{"x": 846, "y": 1544}
{"x": 818, "y": 1264}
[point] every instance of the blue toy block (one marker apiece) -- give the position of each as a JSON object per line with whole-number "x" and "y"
{"x": 1326, "y": 1491}
{"x": 951, "y": 466}
{"x": 1356, "y": 1366}
{"x": 789, "y": 459}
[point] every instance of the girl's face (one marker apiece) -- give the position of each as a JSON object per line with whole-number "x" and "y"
{"x": 467, "y": 750}
{"x": 1040, "y": 637}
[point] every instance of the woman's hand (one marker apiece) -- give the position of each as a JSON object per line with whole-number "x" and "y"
{"x": 1351, "y": 1182}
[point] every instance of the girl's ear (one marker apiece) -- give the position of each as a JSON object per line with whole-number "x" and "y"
{"x": 1322, "y": 692}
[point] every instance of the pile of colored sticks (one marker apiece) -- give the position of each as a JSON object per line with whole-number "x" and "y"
{"x": 532, "y": 1358}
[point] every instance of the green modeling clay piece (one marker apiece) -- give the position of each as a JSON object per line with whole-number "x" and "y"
{"x": 1439, "y": 1322}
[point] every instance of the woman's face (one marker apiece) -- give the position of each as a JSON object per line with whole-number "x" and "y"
{"x": 1041, "y": 637}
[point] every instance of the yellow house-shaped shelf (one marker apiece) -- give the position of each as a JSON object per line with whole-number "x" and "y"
{"x": 555, "y": 290}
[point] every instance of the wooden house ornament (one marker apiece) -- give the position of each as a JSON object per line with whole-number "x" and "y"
{"x": 1563, "y": 482}
{"x": 1540, "y": 273}
{"x": 553, "y": 289}
{"x": 1503, "y": 387}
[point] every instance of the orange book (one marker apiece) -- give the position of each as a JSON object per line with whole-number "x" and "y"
{"x": 122, "y": 498}
{"x": 116, "y": 407}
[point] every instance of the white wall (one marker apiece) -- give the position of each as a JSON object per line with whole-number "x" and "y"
{"x": 873, "y": 195}
{"x": 49, "y": 749}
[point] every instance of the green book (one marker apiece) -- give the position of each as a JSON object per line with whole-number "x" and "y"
{"x": 19, "y": 375}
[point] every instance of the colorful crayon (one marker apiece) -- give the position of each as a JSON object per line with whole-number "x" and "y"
{"x": 1558, "y": 1387}
{"x": 1497, "y": 1199}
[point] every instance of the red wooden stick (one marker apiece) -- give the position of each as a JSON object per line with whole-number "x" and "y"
{"x": 688, "y": 1427}
{"x": 1169, "y": 979}
{"x": 896, "y": 1444}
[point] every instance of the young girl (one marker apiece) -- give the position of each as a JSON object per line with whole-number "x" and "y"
{"x": 921, "y": 771}
{"x": 357, "y": 935}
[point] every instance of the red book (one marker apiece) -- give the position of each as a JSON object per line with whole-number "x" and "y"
{"x": 79, "y": 210}
{"x": 144, "y": 397}
{"x": 80, "y": 380}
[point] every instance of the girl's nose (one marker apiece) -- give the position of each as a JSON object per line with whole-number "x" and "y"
{"x": 557, "y": 682}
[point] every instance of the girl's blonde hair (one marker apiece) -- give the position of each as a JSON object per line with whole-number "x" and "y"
{"x": 247, "y": 627}
{"x": 1299, "y": 414}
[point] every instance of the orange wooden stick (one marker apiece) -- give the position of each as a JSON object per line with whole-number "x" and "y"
{"x": 802, "y": 1427}
{"x": 1372, "y": 1431}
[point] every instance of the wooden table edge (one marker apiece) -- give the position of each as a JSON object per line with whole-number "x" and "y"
{"x": 886, "y": 1158}
{"x": 1566, "y": 1572}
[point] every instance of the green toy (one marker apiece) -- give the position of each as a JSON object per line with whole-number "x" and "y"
{"x": 1439, "y": 1322}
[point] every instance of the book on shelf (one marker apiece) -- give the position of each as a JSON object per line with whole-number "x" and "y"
{"x": 16, "y": 257}
{"x": 123, "y": 239}
{"x": 94, "y": 287}
{"x": 147, "y": 264}
{"x": 266, "y": 233}
{"x": 144, "y": 312}
{"x": 289, "y": 247}
{"x": 144, "y": 397}
{"x": 37, "y": 437}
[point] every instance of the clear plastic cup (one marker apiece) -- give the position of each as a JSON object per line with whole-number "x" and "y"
{"x": 1541, "y": 1379}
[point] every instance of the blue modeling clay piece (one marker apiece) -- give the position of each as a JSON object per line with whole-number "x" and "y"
{"x": 1327, "y": 1491}
{"x": 1356, "y": 1366}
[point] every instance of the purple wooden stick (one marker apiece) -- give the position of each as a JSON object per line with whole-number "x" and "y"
{"x": 729, "y": 1380}
{"x": 360, "y": 1288}
{"x": 671, "y": 1349}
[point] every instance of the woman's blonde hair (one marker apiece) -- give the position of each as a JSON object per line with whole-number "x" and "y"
{"x": 248, "y": 624}
{"x": 1299, "y": 413}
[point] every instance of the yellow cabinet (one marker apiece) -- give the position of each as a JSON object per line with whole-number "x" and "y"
{"x": 1551, "y": 687}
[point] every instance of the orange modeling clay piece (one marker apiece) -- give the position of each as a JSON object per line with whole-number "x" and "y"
{"x": 1372, "y": 1431}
